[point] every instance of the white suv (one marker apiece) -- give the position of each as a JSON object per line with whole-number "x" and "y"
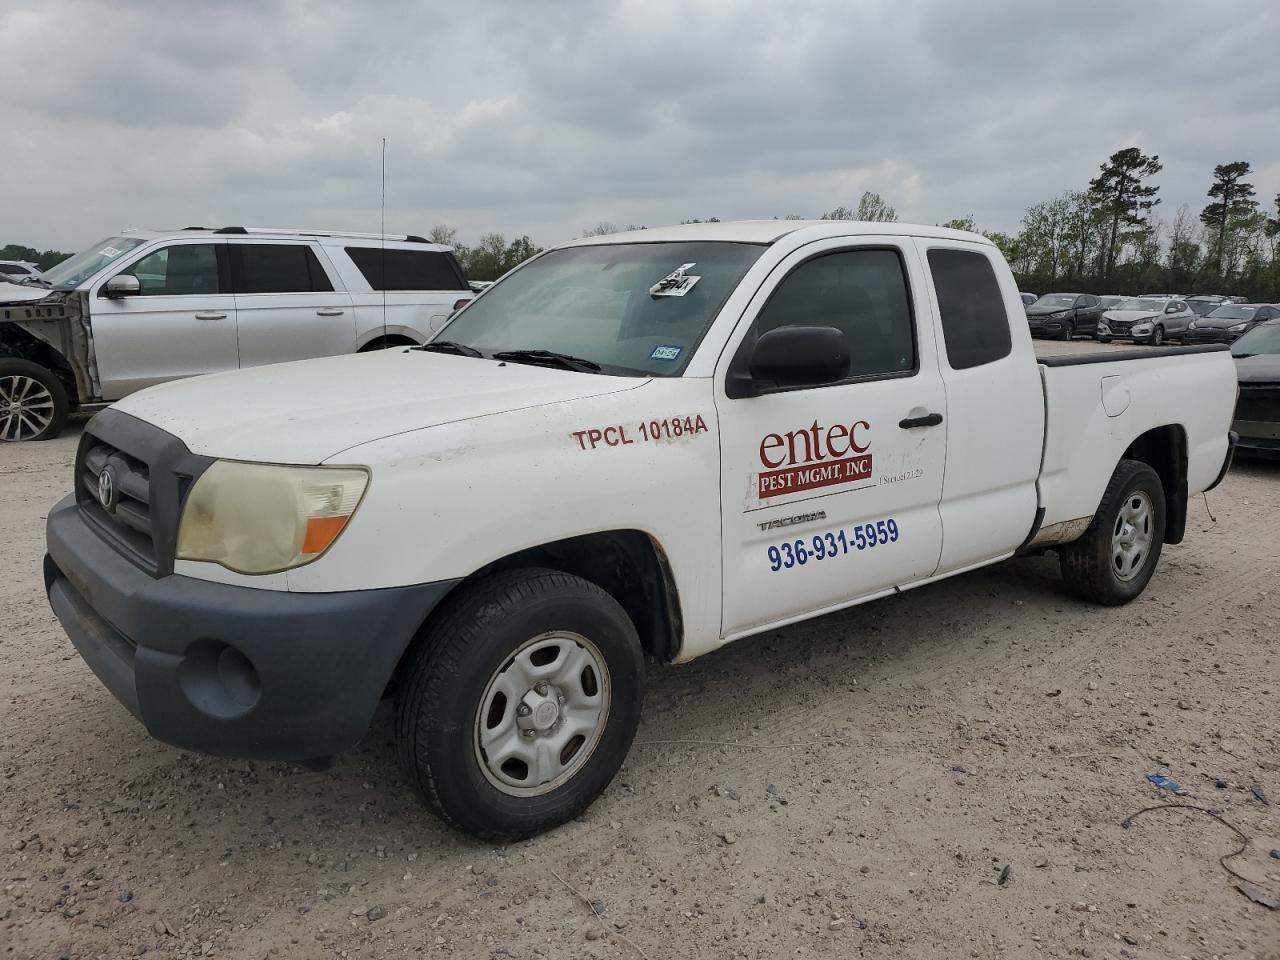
{"x": 147, "y": 307}
{"x": 18, "y": 270}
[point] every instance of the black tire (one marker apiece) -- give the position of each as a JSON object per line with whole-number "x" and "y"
{"x": 1088, "y": 563}
{"x": 1068, "y": 331}
{"x": 14, "y": 429}
{"x": 1101, "y": 339}
{"x": 1157, "y": 336}
{"x": 475, "y": 636}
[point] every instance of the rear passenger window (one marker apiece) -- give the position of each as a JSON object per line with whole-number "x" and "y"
{"x": 277, "y": 268}
{"x": 862, "y": 293}
{"x": 406, "y": 269}
{"x": 974, "y": 323}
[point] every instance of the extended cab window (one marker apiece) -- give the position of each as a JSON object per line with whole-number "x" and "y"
{"x": 277, "y": 268}
{"x": 186, "y": 269}
{"x": 863, "y": 294}
{"x": 406, "y": 269}
{"x": 974, "y": 323}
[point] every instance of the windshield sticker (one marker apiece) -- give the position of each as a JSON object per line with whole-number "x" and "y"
{"x": 109, "y": 252}
{"x": 676, "y": 283}
{"x": 665, "y": 353}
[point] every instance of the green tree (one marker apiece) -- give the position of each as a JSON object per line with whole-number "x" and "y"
{"x": 444, "y": 234}
{"x": 1232, "y": 205}
{"x": 44, "y": 259}
{"x": 962, "y": 223}
{"x": 1122, "y": 197}
{"x": 601, "y": 229}
{"x": 871, "y": 207}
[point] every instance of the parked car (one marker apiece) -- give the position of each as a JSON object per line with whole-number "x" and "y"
{"x": 1226, "y": 323}
{"x": 1257, "y": 417}
{"x": 1205, "y": 304}
{"x": 654, "y": 443}
{"x": 18, "y": 270}
{"x": 147, "y": 307}
{"x": 1063, "y": 315}
{"x": 1028, "y": 299}
{"x": 1146, "y": 320}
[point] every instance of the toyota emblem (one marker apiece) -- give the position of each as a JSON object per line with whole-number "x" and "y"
{"x": 107, "y": 490}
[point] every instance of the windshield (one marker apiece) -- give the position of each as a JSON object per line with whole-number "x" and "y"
{"x": 1264, "y": 338}
{"x": 72, "y": 272}
{"x": 625, "y": 306}
{"x": 1202, "y": 308}
{"x": 1058, "y": 300}
{"x": 1110, "y": 301}
{"x": 1231, "y": 311}
{"x": 1136, "y": 303}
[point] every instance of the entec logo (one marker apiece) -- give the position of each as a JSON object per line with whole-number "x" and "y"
{"x": 814, "y": 456}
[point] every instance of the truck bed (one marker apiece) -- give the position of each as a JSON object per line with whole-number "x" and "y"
{"x": 1100, "y": 397}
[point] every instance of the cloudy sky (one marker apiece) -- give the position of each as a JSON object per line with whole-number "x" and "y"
{"x": 547, "y": 116}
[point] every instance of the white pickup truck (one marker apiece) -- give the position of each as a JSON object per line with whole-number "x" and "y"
{"x": 651, "y": 443}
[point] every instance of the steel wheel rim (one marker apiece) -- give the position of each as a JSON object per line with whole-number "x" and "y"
{"x": 542, "y": 714}
{"x": 26, "y": 407}
{"x": 1132, "y": 536}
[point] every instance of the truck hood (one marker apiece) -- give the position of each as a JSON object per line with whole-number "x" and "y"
{"x": 312, "y": 410}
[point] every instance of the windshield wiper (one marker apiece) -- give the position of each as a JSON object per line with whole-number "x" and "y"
{"x": 1241, "y": 356}
{"x": 549, "y": 358}
{"x": 449, "y": 346}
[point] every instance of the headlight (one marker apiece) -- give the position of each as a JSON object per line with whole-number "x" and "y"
{"x": 262, "y": 518}
{"x": 1237, "y": 327}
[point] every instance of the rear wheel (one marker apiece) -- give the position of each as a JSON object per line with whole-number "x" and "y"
{"x": 33, "y": 402}
{"x": 1115, "y": 559}
{"x": 521, "y": 702}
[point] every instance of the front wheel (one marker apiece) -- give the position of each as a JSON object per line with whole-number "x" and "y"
{"x": 33, "y": 402}
{"x": 1068, "y": 331}
{"x": 1115, "y": 558}
{"x": 520, "y": 703}
{"x": 1157, "y": 337}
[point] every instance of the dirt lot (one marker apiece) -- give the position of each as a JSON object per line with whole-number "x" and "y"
{"x": 885, "y": 765}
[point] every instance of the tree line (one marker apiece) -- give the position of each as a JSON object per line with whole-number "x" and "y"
{"x": 1106, "y": 237}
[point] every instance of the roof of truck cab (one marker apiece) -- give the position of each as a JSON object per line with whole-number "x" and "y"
{"x": 769, "y": 231}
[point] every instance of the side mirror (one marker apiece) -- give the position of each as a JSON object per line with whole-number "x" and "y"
{"x": 122, "y": 285}
{"x": 800, "y": 357}
{"x": 1171, "y": 308}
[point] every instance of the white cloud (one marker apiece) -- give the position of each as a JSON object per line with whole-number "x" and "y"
{"x": 545, "y": 117}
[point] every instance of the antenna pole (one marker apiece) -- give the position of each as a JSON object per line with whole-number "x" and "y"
{"x": 383, "y": 232}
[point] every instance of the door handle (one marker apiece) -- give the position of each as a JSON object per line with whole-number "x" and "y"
{"x": 330, "y": 313}
{"x": 929, "y": 420}
{"x": 211, "y": 316}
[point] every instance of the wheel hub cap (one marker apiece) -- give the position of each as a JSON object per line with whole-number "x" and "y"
{"x": 26, "y": 408}
{"x": 542, "y": 714}
{"x": 1132, "y": 536}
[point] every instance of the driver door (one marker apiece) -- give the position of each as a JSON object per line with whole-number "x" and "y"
{"x": 830, "y": 493}
{"x": 182, "y": 321}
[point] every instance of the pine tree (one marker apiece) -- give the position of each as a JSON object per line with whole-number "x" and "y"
{"x": 1122, "y": 198}
{"x": 1232, "y": 202}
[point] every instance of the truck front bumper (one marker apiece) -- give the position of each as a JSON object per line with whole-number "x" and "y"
{"x": 229, "y": 670}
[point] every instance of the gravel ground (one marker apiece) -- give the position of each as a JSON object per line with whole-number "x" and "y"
{"x": 853, "y": 786}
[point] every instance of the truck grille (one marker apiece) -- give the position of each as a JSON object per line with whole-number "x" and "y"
{"x": 1258, "y": 403}
{"x": 125, "y": 516}
{"x": 148, "y": 475}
